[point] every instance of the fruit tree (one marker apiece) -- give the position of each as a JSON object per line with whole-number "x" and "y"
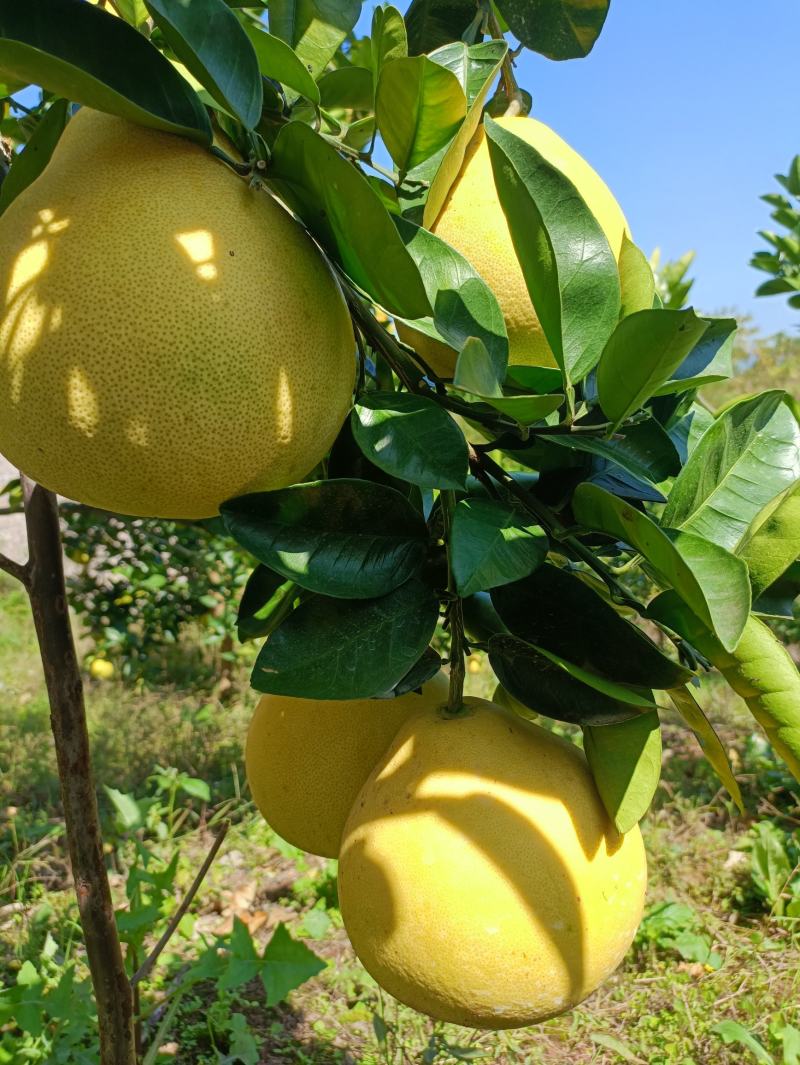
{"x": 345, "y": 293}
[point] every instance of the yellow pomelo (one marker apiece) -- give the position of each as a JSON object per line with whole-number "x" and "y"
{"x": 101, "y": 669}
{"x": 170, "y": 337}
{"x": 306, "y": 759}
{"x": 480, "y": 879}
{"x": 472, "y": 221}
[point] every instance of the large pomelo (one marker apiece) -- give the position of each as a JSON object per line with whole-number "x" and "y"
{"x": 306, "y": 759}
{"x": 472, "y": 221}
{"x": 480, "y": 878}
{"x": 170, "y": 337}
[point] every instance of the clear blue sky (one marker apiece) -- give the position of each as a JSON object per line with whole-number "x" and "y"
{"x": 687, "y": 108}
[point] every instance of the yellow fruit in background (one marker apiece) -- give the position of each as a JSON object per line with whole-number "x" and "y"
{"x": 306, "y": 759}
{"x": 472, "y": 221}
{"x": 101, "y": 669}
{"x": 480, "y": 879}
{"x": 169, "y": 337}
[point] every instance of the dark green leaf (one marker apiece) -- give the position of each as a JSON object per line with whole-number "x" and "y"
{"x": 745, "y": 460}
{"x": 431, "y": 23}
{"x": 641, "y": 354}
{"x": 559, "y": 29}
{"x": 481, "y": 620}
{"x": 313, "y": 28}
{"x": 344, "y": 538}
{"x": 419, "y": 105}
{"x": 712, "y": 581}
{"x": 265, "y": 600}
{"x": 625, "y": 760}
{"x": 553, "y": 608}
{"x": 644, "y": 450}
{"x": 543, "y": 686}
{"x": 782, "y": 597}
{"x": 692, "y": 713}
{"x": 277, "y": 60}
{"x": 473, "y": 65}
{"x": 411, "y": 437}
{"x": 492, "y": 544}
{"x": 348, "y": 649}
{"x": 31, "y": 161}
{"x": 463, "y": 304}
{"x": 87, "y": 55}
{"x": 569, "y": 269}
{"x": 288, "y": 964}
{"x": 347, "y": 217}
{"x": 708, "y": 361}
{"x": 538, "y": 379}
{"x": 427, "y": 665}
{"x": 209, "y": 39}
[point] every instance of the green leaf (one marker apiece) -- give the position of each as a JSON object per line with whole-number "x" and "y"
{"x": 641, "y": 354}
{"x": 388, "y": 39}
{"x": 692, "y": 713}
{"x": 544, "y": 608}
{"x": 644, "y": 450}
{"x": 288, "y": 965}
{"x": 639, "y": 697}
{"x": 411, "y": 437}
{"x": 625, "y": 760}
{"x": 277, "y": 60}
{"x": 209, "y": 39}
{"x": 610, "y": 1042}
{"x": 419, "y": 105}
{"x": 772, "y": 542}
{"x": 197, "y": 788}
{"x": 745, "y": 460}
{"x": 477, "y": 72}
{"x": 344, "y": 538}
{"x": 86, "y": 55}
{"x": 346, "y": 88}
{"x": 313, "y": 28}
{"x": 637, "y": 283}
{"x": 712, "y": 581}
{"x": 348, "y": 649}
{"x": 569, "y": 269}
{"x": 492, "y": 544}
{"x": 543, "y": 685}
{"x": 771, "y": 868}
{"x": 559, "y": 29}
{"x": 126, "y": 808}
{"x": 463, "y": 304}
{"x": 34, "y": 157}
{"x": 733, "y": 1032}
{"x": 708, "y": 361}
{"x": 431, "y": 23}
{"x": 347, "y": 217}
{"x": 265, "y": 599}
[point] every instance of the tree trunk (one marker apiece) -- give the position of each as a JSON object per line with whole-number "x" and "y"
{"x": 45, "y": 582}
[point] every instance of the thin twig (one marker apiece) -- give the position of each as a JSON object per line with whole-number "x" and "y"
{"x": 152, "y": 958}
{"x": 20, "y": 571}
{"x": 455, "y": 613}
{"x": 516, "y": 102}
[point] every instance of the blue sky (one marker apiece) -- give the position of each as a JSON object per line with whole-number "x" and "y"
{"x": 687, "y": 108}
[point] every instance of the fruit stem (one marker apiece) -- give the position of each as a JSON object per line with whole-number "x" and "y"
{"x": 48, "y": 598}
{"x": 516, "y": 101}
{"x": 455, "y": 611}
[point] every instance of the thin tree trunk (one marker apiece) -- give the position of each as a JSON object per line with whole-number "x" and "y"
{"x": 45, "y": 583}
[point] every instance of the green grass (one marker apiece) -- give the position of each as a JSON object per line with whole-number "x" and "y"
{"x": 660, "y": 1008}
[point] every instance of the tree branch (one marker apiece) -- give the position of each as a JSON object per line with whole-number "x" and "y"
{"x": 18, "y": 570}
{"x": 186, "y": 902}
{"x": 68, "y": 721}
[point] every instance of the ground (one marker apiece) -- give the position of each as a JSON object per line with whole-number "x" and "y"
{"x": 721, "y": 953}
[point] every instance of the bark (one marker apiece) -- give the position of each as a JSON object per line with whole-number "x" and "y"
{"x": 45, "y": 584}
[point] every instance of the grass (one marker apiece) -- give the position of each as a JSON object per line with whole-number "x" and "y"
{"x": 660, "y": 1007}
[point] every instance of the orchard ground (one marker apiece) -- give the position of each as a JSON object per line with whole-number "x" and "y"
{"x": 721, "y": 953}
